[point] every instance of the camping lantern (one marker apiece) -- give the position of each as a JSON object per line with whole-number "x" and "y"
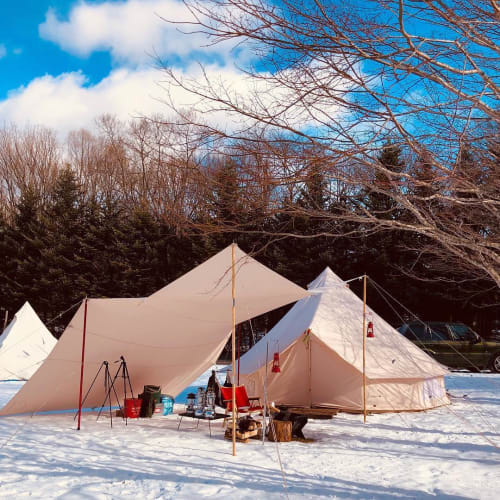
{"x": 276, "y": 363}
{"x": 200, "y": 402}
{"x": 190, "y": 400}
{"x": 369, "y": 330}
{"x": 210, "y": 404}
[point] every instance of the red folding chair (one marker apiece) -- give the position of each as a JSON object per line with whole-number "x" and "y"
{"x": 244, "y": 404}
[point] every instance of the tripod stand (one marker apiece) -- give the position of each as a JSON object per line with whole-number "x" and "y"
{"x": 123, "y": 373}
{"x": 108, "y": 386}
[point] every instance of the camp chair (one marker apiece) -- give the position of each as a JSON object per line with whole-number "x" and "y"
{"x": 244, "y": 404}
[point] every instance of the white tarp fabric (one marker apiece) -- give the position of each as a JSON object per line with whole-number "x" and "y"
{"x": 24, "y": 345}
{"x": 321, "y": 356}
{"x": 167, "y": 339}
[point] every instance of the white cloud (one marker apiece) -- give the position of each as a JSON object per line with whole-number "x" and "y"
{"x": 132, "y": 31}
{"x": 3, "y": 50}
{"x": 67, "y": 102}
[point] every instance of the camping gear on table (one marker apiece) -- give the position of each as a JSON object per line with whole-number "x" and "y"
{"x": 132, "y": 407}
{"x": 321, "y": 363}
{"x": 168, "y": 404}
{"x": 199, "y": 407}
{"x": 209, "y": 404}
{"x": 150, "y": 396}
{"x": 190, "y": 402}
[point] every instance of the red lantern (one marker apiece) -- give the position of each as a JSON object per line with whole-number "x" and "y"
{"x": 276, "y": 363}
{"x": 369, "y": 330}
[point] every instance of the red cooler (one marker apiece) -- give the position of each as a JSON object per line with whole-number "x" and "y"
{"x": 132, "y": 407}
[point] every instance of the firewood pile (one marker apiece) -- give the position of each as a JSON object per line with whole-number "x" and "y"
{"x": 246, "y": 428}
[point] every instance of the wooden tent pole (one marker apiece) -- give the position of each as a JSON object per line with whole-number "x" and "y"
{"x": 83, "y": 362}
{"x": 310, "y": 367}
{"x": 5, "y": 320}
{"x": 233, "y": 345}
{"x": 239, "y": 355}
{"x": 264, "y": 423}
{"x": 364, "y": 348}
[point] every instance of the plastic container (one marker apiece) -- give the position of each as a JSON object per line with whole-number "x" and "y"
{"x": 168, "y": 404}
{"x": 155, "y": 391}
{"x": 132, "y": 407}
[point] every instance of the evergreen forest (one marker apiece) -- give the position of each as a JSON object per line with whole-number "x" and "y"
{"x": 124, "y": 211}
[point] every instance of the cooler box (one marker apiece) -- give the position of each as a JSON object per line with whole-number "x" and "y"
{"x": 132, "y": 407}
{"x": 168, "y": 404}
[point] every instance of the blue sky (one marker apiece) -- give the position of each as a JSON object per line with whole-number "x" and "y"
{"x": 65, "y": 62}
{"x": 27, "y": 56}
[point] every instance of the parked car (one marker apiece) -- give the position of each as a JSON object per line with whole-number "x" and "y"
{"x": 454, "y": 345}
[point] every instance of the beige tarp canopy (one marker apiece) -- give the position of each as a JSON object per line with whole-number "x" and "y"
{"x": 24, "y": 345}
{"x": 167, "y": 339}
{"x": 320, "y": 341}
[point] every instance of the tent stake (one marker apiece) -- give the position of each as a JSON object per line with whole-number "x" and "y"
{"x": 233, "y": 346}
{"x": 83, "y": 362}
{"x": 364, "y": 349}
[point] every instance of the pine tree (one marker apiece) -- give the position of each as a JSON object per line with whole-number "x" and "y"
{"x": 21, "y": 250}
{"x": 64, "y": 272}
{"x": 380, "y": 201}
{"x": 142, "y": 258}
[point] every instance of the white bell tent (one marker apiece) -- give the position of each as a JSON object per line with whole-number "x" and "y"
{"x": 320, "y": 345}
{"x": 167, "y": 339}
{"x": 24, "y": 345}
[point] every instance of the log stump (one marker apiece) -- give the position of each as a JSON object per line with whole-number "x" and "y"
{"x": 282, "y": 429}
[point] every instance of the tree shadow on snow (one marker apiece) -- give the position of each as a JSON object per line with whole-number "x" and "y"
{"x": 422, "y": 449}
{"x": 108, "y": 465}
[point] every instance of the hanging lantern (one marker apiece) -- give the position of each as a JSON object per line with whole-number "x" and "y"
{"x": 276, "y": 363}
{"x": 369, "y": 330}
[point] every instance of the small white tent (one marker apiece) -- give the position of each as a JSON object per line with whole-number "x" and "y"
{"x": 321, "y": 357}
{"x": 24, "y": 345}
{"x": 167, "y": 339}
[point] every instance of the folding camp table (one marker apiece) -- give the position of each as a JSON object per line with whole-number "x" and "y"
{"x": 217, "y": 416}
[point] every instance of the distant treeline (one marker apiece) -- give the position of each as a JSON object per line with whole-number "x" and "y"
{"x": 123, "y": 212}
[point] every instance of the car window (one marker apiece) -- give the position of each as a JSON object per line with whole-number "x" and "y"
{"x": 417, "y": 332}
{"x": 439, "y": 332}
{"x": 462, "y": 332}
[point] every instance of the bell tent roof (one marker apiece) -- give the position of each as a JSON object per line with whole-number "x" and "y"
{"x": 24, "y": 345}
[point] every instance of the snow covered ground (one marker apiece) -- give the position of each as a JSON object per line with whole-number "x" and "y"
{"x": 445, "y": 453}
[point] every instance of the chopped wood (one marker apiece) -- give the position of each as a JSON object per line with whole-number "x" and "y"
{"x": 242, "y": 436}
